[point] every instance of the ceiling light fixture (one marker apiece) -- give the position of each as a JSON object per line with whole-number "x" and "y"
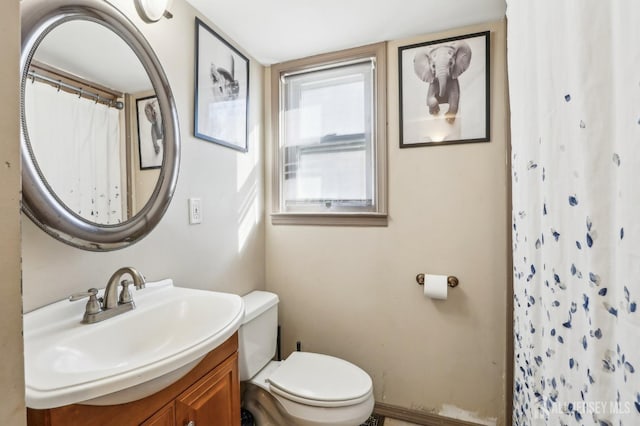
{"x": 153, "y": 10}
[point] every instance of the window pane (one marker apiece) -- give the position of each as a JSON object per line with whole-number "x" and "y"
{"x": 336, "y": 109}
{"x": 326, "y": 144}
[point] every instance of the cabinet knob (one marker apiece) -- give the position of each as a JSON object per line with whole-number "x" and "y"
{"x": 191, "y": 423}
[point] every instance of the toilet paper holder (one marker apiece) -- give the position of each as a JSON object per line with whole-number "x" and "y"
{"x": 451, "y": 280}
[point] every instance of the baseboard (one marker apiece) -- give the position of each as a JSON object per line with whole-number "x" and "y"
{"x": 417, "y": 417}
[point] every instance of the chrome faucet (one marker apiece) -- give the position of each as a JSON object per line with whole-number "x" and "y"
{"x": 98, "y": 310}
{"x": 110, "y": 293}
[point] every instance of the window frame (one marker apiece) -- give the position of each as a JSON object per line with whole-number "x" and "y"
{"x": 379, "y": 216}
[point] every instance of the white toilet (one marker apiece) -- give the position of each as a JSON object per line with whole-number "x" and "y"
{"x": 306, "y": 389}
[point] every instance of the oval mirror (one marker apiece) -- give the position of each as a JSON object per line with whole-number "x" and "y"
{"x": 100, "y": 140}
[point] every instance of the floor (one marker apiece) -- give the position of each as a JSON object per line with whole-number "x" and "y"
{"x": 394, "y": 422}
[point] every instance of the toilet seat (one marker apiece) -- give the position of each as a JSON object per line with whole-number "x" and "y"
{"x": 320, "y": 380}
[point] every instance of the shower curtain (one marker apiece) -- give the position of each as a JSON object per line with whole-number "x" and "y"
{"x": 72, "y": 133}
{"x": 574, "y": 80}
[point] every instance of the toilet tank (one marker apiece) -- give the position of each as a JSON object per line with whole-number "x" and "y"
{"x": 257, "y": 336}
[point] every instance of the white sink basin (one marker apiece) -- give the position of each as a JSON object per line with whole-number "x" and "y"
{"x": 129, "y": 356}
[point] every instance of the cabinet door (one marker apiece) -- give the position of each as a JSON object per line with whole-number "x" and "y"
{"x": 214, "y": 400}
{"x": 165, "y": 417}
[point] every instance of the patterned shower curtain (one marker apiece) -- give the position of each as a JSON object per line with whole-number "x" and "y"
{"x": 574, "y": 80}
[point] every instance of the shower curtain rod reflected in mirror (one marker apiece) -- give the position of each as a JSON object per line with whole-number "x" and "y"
{"x": 82, "y": 93}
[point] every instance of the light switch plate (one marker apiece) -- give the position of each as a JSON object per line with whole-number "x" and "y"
{"x": 195, "y": 211}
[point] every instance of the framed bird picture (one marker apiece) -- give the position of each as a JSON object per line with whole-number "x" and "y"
{"x": 221, "y": 90}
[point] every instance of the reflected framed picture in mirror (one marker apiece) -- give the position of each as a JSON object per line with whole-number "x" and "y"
{"x": 221, "y": 90}
{"x": 150, "y": 133}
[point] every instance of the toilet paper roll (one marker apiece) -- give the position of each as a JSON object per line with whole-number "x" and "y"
{"x": 436, "y": 286}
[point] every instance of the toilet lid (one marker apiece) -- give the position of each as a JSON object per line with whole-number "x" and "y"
{"x": 320, "y": 380}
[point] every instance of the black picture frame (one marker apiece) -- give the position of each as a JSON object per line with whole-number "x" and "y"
{"x": 221, "y": 93}
{"x": 430, "y": 116}
{"x": 150, "y": 133}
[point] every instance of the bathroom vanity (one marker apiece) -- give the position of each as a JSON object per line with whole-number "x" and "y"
{"x": 208, "y": 395}
{"x": 172, "y": 360}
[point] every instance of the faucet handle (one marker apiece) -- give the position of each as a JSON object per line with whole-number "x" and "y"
{"x": 93, "y": 304}
{"x": 92, "y": 292}
{"x": 125, "y": 294}
{"x": 143, "y": 282}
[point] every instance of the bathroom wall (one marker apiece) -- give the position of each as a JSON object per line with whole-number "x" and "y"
{"x": 12, "y": 411}
{"x": 351, "y": 292}
{"x": 226, "y": 251}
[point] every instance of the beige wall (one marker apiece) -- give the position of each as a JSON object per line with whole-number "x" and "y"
{"x": 226, "y": 251}
{"x": 12, "y": 410}
{"x": 351, "y": 292}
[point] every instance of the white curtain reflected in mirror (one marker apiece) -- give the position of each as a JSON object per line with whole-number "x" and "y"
{"x": 80, "y": 103}
{"x": 79, "y": 134}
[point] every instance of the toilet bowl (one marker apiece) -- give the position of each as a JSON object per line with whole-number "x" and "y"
{"x": 306, "y": 389}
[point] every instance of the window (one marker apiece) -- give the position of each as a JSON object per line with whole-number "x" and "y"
{"x": 329, "y": 139}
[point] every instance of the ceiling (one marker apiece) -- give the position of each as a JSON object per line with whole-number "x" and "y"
{"x": 71, "y": 47}
{"x": 274, "y": 31}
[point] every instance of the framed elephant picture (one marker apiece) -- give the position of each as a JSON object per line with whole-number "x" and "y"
{"x": 444, "y": 91}
{"x": 150, "y": 133}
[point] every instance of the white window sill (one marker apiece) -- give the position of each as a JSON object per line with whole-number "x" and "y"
{"x": 330, "y": 219}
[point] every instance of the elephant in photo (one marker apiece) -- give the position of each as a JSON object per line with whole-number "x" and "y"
{"x": 441, "y": 66}
{"x": 152, "y": 112}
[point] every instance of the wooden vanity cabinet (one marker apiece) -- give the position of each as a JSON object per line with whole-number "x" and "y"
{"x": 210, "y": 401}
{"x": 209, "y": 395}
{"x": 165, "y": 417}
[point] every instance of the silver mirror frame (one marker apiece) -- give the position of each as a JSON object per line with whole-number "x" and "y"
{"x": 39, "y": 202}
